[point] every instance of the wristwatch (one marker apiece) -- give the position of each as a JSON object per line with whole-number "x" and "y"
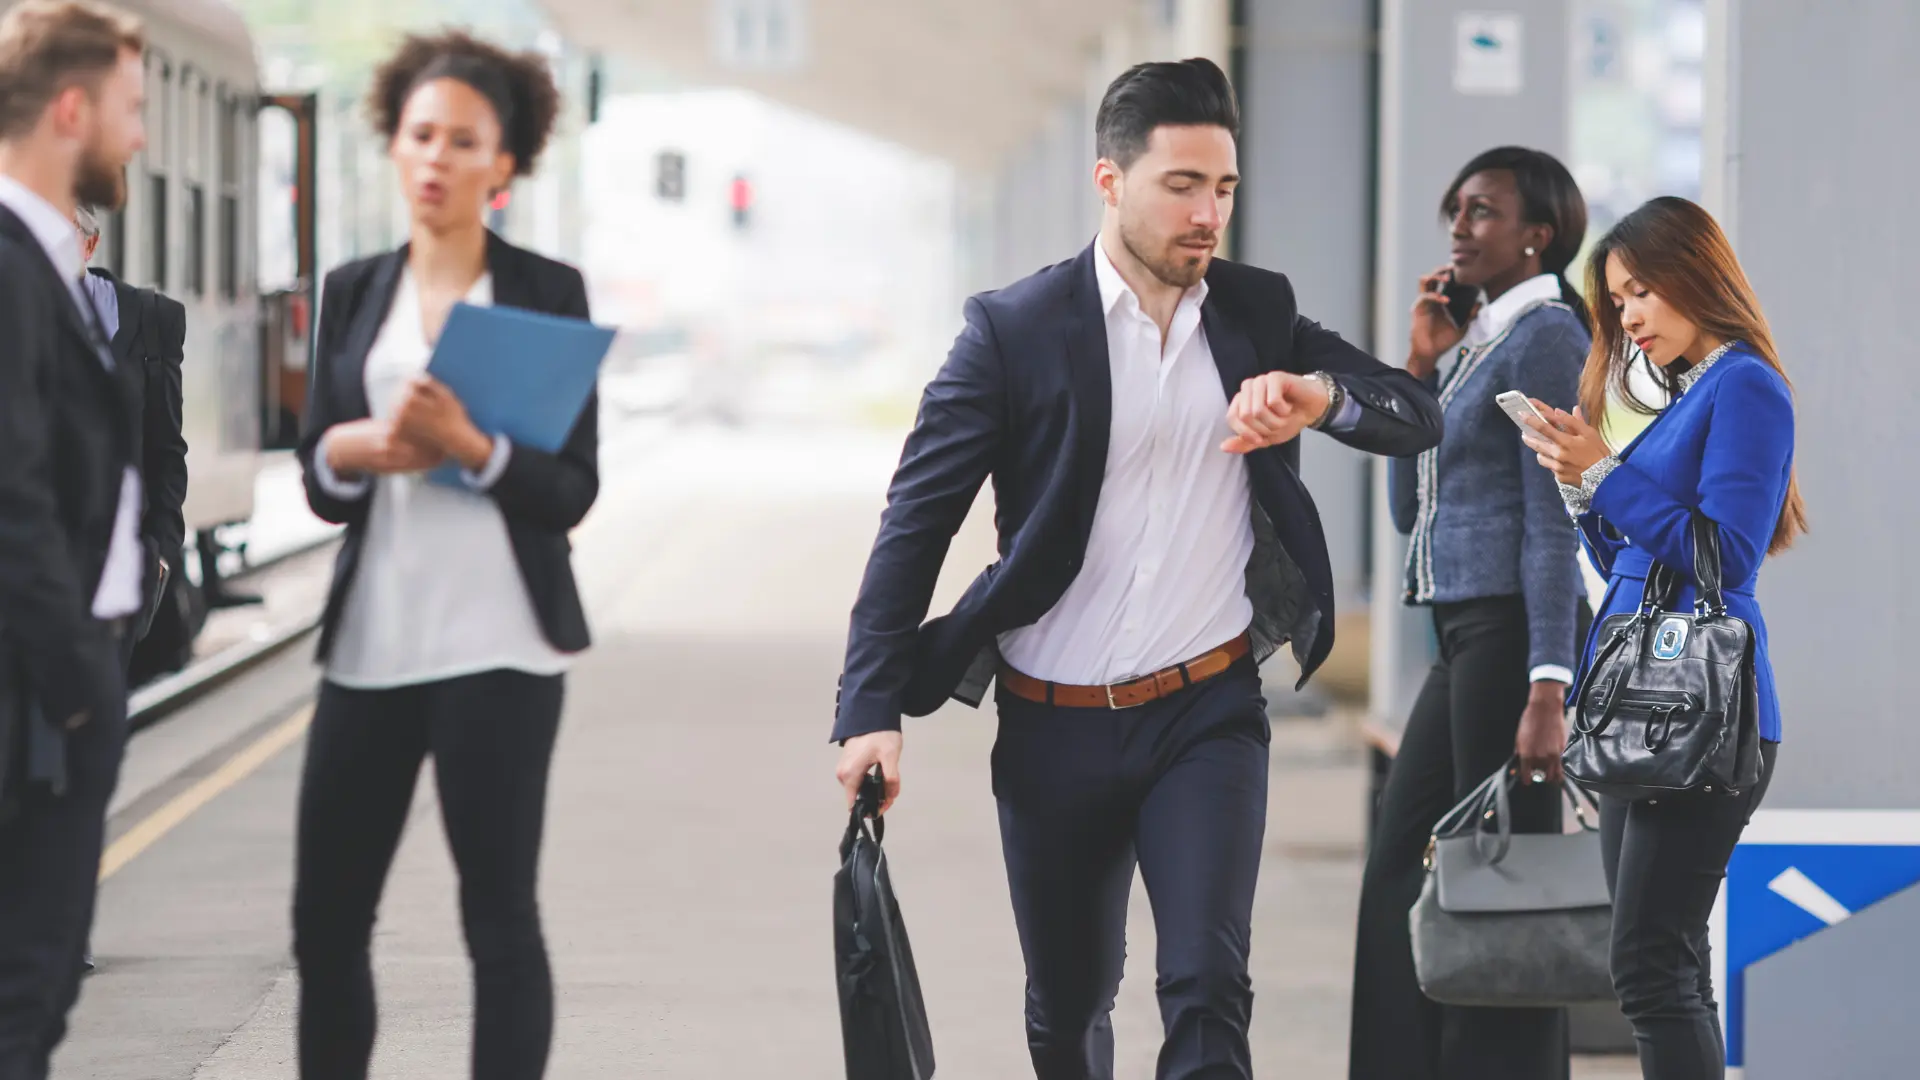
{"x": 1336, "y": 398}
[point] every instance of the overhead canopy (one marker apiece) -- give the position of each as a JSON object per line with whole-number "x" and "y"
{"x": 966, "y": 80}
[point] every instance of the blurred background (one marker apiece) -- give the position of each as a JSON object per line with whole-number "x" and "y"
{"x": 781, "y": 205}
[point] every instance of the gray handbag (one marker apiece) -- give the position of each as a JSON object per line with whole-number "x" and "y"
{"x": 1512, "y": 920}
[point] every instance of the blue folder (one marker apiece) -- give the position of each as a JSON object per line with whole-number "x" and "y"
{"x": 521, "y": 374}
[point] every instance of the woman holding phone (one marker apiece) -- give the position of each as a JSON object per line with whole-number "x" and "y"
{"x": 453, "y": 613}
{"x": 1665, "y": 283}
{"x": 1494, "y": 556}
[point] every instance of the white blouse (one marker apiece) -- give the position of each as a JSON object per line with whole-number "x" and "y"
{"x": 438, "y": 593}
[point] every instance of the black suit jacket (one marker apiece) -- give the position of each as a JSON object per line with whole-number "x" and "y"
{"x": 1025, "y": 398}
{"x": 149, "y": 344}
{"x": 541, "y": 495}
{"x": 66, "y": 439}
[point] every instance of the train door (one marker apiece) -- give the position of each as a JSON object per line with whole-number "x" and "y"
{"x": 289, "y": 274}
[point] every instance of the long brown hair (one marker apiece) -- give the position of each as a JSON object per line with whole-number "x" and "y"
{"x": 1676, "y": 250}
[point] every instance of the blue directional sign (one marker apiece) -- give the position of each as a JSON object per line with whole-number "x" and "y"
{"x": 1795, "y": 873}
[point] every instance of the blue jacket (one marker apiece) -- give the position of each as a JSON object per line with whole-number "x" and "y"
{"x": 1485, "y": 519}
{"x": 1725, "y": 448}
{"x": 1026, "y": 398}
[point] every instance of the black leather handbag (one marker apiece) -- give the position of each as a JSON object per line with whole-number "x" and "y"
{"x": 883, "y": 1019}
{"x": 1505, "y": 919}
{"x": 1669, "y": 703}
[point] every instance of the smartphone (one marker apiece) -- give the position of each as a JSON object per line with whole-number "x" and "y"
{"x": 1460, "y": 302}
{"x": 1516, "y": 406}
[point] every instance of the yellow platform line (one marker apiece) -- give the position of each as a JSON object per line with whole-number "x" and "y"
{"x": 151, "y": 828}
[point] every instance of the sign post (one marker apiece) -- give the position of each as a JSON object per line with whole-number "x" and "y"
{"x": 1794, "y": 874}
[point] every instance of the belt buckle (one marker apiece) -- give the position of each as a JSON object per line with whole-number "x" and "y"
{"x": 1112, "y": 704}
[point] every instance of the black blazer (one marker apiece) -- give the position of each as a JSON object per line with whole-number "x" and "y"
{"x": 1025, "y": 398}
{"x": 150, "y": 343}
{"x": 66, "y": 439}
{"x": 541, "y": 495}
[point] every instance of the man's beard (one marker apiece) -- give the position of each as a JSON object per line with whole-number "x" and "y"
{"x": 1171, "y": 266}
{"x": 100, "y": 183}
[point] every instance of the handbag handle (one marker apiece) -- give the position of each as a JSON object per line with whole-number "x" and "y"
{"x": 1490, "y": 802}
{"x": 1709, "y": 600}
{"x": 1662, "y": 585}
{"x": 1630, "y": 632}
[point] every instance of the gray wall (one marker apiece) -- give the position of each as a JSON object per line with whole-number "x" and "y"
{"x": 1427, "y": 131}
{"x": 1821, "y": 140}
{"x": 1306, "y": 210}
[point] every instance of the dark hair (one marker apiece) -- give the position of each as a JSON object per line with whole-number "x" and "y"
{"x": 519, "y": 86}
{"x": 1548, "y": 196}
{"x": 47, "y": 46}
{"x": 1679, "y": 253}
{"x": 1187, "y": 93}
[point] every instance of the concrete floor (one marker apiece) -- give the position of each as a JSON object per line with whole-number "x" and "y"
{"x": 691, "y": 832}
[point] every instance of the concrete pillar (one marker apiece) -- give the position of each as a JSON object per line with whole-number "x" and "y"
{"x": 1306, "y": 86}
{"x": 1443, "y": 98}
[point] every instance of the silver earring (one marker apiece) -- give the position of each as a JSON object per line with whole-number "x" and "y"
{"x": 1529, "y": 253}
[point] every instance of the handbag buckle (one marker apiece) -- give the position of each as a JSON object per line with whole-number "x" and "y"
{"x": 1427, "y": 859}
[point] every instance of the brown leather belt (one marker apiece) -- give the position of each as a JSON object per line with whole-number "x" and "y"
{"x": 1125, "y": 695}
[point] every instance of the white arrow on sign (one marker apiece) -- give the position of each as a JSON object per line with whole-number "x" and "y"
{"x": 1799, "y": 890}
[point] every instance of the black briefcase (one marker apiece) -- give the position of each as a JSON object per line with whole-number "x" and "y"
{"x": 883, "y": 1020}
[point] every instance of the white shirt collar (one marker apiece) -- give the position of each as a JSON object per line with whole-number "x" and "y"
{"x": 1114, "y": 288}
{"x": 1494, "y": 318}
{"x": 55, "y": 233}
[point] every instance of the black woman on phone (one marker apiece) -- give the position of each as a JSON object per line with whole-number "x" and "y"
{"x": 1493, "y": 554}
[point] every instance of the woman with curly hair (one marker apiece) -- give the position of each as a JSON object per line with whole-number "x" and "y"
{"x": 453, "y": 612}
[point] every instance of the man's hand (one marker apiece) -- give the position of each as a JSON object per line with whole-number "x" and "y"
{"x": 1272, "y": 408}
{"x": 861, "y": 754}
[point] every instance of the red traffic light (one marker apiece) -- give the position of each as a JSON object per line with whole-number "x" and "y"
{"x": 741, "y": 194}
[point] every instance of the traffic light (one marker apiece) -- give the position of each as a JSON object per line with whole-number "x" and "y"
{"x": 741, "y": 199}
{"x": 670, "y": 176}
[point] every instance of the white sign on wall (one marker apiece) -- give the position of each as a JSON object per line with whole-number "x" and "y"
{"x": 1486, "y": 53}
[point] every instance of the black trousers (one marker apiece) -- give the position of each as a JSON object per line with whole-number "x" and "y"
{"x": 491, "y": 738}
{"x": 1665, "y": 860}
{"x": 1461, "y": 729}
{"x": 1177, "y": 787}
{"x": 49, "y": 868}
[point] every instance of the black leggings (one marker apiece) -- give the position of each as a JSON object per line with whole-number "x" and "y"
{"x": 491, "y": 737}
{"x": 1665, "y": 860}
{"x": 1461, "y": 729}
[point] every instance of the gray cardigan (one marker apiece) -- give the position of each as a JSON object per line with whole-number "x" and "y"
{"x": 1485, "y": 519}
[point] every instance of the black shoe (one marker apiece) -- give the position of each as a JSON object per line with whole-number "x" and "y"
{"x": 86, "y": 965}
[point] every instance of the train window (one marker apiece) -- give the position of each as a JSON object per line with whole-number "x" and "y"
{"x": 229, "y": 223}
{"x": 157, "y": 231}
{"x": 116, "y": 245}
{"x": 197, "y": 239}
{"x": 160, "y": 147}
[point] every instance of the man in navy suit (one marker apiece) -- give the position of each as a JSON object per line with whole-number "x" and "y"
{"x": 1137, "y": 409}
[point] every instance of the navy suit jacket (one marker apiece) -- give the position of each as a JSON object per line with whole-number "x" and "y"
{"x": 1025, "y": 398}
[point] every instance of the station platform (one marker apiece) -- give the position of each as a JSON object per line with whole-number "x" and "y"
{"x": 692, "y": 827}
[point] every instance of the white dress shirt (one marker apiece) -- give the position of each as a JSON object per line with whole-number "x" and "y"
{"x": 1164, "y": 578}
{"x": 1494, "y": 318}
{"x": 438, "y": 593}
{"x": 117, "y": 594}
